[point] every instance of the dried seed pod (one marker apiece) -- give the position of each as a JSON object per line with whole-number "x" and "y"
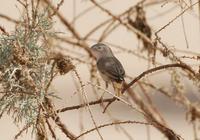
{"x": 19, "y": 55}
{"x": 64, "y": 65}
{"x": 165, "y": 52}
{"x": 141, "y": 24}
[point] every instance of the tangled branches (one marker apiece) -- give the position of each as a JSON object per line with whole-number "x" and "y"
{"x": 34, "y": 54}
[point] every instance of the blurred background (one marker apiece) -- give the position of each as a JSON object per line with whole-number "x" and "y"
{"x": 181, "y": 37}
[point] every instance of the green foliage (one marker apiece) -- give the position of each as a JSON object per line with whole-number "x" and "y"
{"x": 24, "y": 68}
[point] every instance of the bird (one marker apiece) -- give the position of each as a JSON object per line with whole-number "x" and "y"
{"x": 109, "y": 67}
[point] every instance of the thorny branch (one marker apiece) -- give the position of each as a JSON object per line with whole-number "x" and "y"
{"x": 126, "y": 86}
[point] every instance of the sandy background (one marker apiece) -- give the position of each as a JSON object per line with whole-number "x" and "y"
{"x": 172, "y": 35}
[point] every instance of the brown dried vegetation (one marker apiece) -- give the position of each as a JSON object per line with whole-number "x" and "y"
{"x": 29, "y": 64}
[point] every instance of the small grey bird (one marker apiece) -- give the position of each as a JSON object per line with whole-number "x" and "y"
{"x": 111, "y": 70}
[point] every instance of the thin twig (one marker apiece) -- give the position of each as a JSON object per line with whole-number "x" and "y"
{"x": 126, "y": 86}
{"x": 51, "y": 129}
{"x": 22, "y": 130}
{"x": 9, "y": 18}
{"x": 113, "y": 123}
{"x": 57, "y": 8}
{"x": 86, "y": 102}
{"x": 83, "y": 105}
{"x": 171, "y": 21}
{"x": 156, "y": 69}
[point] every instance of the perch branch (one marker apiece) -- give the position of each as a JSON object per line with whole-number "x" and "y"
{"x": 110, "y": 124}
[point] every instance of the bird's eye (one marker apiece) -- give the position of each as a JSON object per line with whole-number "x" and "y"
{"x": 98, "y": 48}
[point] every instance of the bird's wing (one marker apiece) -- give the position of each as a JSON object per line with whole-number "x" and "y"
{"x": 112, "y": 68}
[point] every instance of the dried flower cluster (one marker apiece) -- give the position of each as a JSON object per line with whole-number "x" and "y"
{"x": 141, "y": 24}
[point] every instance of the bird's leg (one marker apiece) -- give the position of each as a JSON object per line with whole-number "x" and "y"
{"x": 101, "y": 98}
{"x": 117, "y": 88}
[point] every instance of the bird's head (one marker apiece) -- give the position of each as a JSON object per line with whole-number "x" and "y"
{"x": 100, "y": 50}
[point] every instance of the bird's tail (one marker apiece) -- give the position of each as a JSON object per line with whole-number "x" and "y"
{"x": 118, "y": 88}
